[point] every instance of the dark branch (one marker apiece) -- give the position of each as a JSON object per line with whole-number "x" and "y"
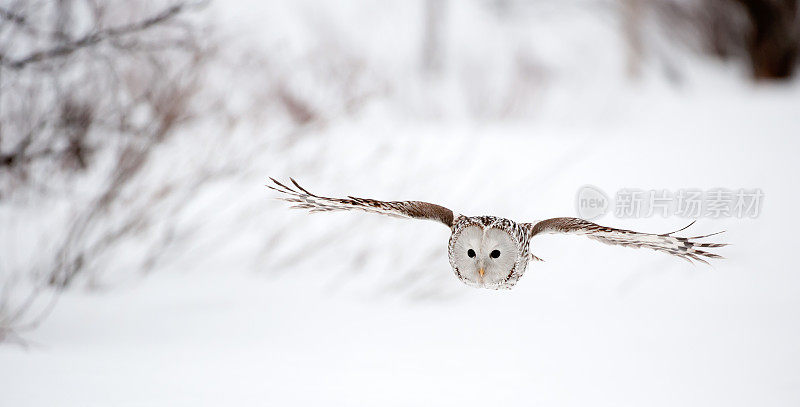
{"x": 95, "y": 37}
{"x": 9, "y": 15}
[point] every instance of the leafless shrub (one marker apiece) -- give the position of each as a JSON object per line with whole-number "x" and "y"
{"x": 91, "y": 95}
{"x": 71, "y": 86}
{"x": 88, "y": 87}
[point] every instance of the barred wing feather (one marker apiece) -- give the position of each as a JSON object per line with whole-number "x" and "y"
{"x": 302, "y": 199}
{"x": 687, "y": 248}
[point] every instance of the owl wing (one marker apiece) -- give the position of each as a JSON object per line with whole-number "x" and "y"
{"x": 303, "y": 199}
{"x": 687, "y": 248}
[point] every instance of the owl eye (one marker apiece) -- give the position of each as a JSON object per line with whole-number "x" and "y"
{"x": 494, "y": 254}
{"x": 471, "y": 253}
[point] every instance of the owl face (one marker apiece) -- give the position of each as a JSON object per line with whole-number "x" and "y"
{"x": 484, "y": 257}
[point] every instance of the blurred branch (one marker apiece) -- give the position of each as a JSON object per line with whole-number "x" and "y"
{"x": 9, "y": 15}
{"x": 94, "y": 37}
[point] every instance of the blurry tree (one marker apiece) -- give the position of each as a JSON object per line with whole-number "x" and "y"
{"x": 433, "y": 37}
{"x": 773, "y": 38}
{"x": 766, "y": 33}
{"x": 632, "y": 27}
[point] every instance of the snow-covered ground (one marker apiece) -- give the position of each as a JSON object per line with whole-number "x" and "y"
{"x": 259, "y": 305}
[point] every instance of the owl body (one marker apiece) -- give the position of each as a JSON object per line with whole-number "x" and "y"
{"x": 492, "y": 252}
{"x": 490, "y": 235}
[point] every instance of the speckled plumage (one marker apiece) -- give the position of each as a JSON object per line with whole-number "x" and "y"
{"x": 687, "y": 248}
{"x": 519, "y": 233}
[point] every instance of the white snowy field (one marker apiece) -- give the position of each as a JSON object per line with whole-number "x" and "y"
{"x": 255, "y": 304}
{"x": 346, "y": 324}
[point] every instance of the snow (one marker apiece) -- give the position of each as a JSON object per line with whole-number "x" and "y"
{"x": 256, "y": 304}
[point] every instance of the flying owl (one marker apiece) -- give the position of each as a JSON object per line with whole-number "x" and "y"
{"x": 493, "y": 252}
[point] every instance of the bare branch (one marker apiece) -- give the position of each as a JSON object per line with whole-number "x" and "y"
{"x": 96, "y": 37}
{"x": 12, "y": 16}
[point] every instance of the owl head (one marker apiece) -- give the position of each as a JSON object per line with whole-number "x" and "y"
{"x": 486, "y": 255}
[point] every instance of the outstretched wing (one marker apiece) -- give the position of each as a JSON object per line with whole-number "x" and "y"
{"x": 303, "y": 199}
{"x": 687, "y": 248}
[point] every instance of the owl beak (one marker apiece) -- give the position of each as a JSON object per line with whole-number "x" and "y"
{"x": 481, "y": 271}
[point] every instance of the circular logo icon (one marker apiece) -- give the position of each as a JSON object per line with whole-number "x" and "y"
{"x": 591, "y": 202}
